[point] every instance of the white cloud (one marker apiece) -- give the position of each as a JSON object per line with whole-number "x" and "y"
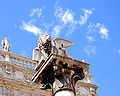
{"x": 90, "y": 50}
{"x": 104, "y": 32}
{"x": 67, "y": 17}
{"x": 119, "y": 51}
{"x": 64, "y": 16}
{"x": 97, "y": 32}
{"x": 65, "y": 20}
{"x": 36, "y": 12}
{"x": 31, "y": 28}
{"x": 90, "y": 38}
{"x": 56, "y": 31}
{"x": 84, "y": 18}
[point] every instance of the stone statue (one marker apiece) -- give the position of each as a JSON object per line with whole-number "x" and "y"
{"x": 42, "y": 52}
{"x": 46, "y": 47}
{"x": 61, "y": 44}
{"x": 5, "y": 45}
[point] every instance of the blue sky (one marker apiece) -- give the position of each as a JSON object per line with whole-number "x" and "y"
{"x": 92, "y": 24}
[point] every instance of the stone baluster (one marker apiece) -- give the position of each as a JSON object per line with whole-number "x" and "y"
{"x": 12, "y": 60}
{"x": 32, "y": 65}
{"x": 6, "y": 58}
{"x": 0, "y": 56}
{"x": 16, "y": 61}
{"x": 20, "y": 62}
{"x": 24, "y": 64}
{"x": 28, "y": 64}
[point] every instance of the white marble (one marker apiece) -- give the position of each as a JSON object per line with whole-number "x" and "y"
{"x": 65, "y": 93}
{"x": 6, "y": 58}
{"x": 5, "y": 45}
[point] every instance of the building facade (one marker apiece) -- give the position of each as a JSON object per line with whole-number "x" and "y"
{"x": 16, "y": 73}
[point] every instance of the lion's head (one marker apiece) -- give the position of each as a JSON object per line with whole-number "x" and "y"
{"x": 45, "y": 43}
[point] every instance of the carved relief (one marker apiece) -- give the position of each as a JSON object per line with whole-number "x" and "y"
{"x": 8, "y": 69}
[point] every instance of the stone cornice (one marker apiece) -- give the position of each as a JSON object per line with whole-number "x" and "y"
{"x": 74, "y": 62}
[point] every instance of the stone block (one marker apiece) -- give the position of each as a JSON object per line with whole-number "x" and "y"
{"x": 33, "y": 95}
{"x": 26, "y": 94}
{"x": 7, "y": 92}
{"x": 0, "y": 91}
{"x": 28, "y": 77}
{"x": 82, "y": 91}
{"x": 18, "y": 75}
{"x": 17, "y": 93}
{"x": 0, "y": 70}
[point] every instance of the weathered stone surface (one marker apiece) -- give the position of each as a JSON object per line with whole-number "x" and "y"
{"x": 28, "y": 77}
{"x": 21, "y": 84}
{"x": 7, "y": 92}
{"x": 0, "y": 91}
{"x": 82, "y": 91}
{"x": 17, "y": 93}
{"x": 18, "y": 75}
{"x": 0, "y": 70}
{"x": 26, "y": 94}
{"x": 33, "y": 95}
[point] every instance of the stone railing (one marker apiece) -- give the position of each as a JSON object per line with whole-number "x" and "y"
{"x": 18, "y": 60}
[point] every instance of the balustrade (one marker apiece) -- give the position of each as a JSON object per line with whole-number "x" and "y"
{"x": 18, "y": 60}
